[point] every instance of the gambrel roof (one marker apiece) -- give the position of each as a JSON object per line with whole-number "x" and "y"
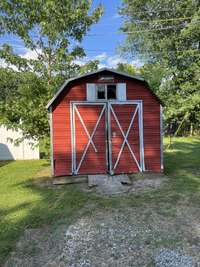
{"x": 139, "y": 78}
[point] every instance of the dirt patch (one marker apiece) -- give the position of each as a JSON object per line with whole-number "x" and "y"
{"x": 104, "y": 184}
{"x": 43, "y": 178}
{"x": 123, "y": 184}
{"x": 122, "y": 237}
{"x": 146, "y": 184}
{"x": 110, "y": 185}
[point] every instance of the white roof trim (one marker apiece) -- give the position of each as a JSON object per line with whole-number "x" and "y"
{"x": 88, "y": 74}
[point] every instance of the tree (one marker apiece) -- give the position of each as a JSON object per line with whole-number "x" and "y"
{"x": 23, "y": 101}
{"x": 167, "y": 34}
{"x": 154, "y": 75}
{"x": 128, "y": 68}
{"x": 53, "y": 30}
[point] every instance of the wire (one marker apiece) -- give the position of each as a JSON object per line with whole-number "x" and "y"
{"x": 156, "y": 53}
{"x": 100, "y": 50}
{"x": 110, "y": 14}
{"x": 137, "y": 31}
{"x": 168, "y": 51}
{"x": 129, "y": 32}
{"x": 160, "y": 10}
{"x": 164, "y": 20}
{"x": 144, "y": 52}
{"x": 149, "y": 23}
{"x": 105, "y": 50}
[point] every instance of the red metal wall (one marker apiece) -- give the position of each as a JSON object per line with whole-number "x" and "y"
{"x": 76, "y": 91}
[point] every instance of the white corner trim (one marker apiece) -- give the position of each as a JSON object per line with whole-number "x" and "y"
{"x": 161, "y": 138}
{"x": 51, "y": 140}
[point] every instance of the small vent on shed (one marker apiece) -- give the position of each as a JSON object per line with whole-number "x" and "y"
{"x": 106, "y": 78}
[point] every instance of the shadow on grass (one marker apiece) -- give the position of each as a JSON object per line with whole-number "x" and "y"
{"x": 48, "y": 206}
{"x": 44, "y": 206}
{"x": 5, "y": 162}
{"x": 51, "y": 206}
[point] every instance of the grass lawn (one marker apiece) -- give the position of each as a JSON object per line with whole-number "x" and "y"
{"x": 25, "y": 204}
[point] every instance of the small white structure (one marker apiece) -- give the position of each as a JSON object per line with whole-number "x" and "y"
{"x": 10, "y": 151}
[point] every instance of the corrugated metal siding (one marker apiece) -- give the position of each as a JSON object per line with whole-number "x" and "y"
{"x": 135, "y": 91}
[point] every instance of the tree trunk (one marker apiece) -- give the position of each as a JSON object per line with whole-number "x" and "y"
{"x": 191, "y": 129}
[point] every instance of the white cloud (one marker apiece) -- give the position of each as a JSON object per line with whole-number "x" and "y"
{"x": 116, "y": 16}
{"x": 112, "y": 61}
{"x": 101, "y": 56}
{"x": 31, "y": 54}
{"x": 3, "y": 64}
{"x": 106, "y": 60}
{"x": 102, "y": 65}
{"x": 137, "y": 63}
{"x": 28, "y": 54}
{"x": 81, "y": 61}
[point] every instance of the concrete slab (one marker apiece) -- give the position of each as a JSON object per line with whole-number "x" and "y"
{"x": 110, "y": 185}
{"x": 96, "y": 179}
{"x": 123, "y": 178}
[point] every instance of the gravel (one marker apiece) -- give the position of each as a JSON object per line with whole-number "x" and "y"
{"x": 123, "y": 237}
{"x": 172, "y": 258}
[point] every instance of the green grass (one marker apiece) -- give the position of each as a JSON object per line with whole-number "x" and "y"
{"x": 182, "y": 166}
{"x": 25, "y": 204}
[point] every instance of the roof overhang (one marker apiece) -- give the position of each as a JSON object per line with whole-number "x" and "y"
{"x": 96, "y": 72}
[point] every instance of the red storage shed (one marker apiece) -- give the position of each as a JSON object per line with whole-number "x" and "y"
{"x": 105, "y": 122}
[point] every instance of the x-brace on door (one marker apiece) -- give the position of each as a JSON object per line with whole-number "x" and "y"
{"x": 107, "y": 137}
{"x": 126, "y": 149}
{"x": 89, "y": 138}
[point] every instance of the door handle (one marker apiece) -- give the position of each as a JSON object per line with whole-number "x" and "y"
{"x": 114, "y": 134}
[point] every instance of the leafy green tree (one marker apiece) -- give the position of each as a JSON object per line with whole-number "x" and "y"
{"x": 22, "y": 102}
{"x": 154, "y": 74}
{"x": 128, "y": 68}
{"x": 53, "y": 30}
{"x": 166, "y": 34}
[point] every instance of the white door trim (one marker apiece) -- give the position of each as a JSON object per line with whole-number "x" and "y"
{"x": 109, "y": 110}
{"x": 74, "y": 110}
{"x": 141, "y": 165}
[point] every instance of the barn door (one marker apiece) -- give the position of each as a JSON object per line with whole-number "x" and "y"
{"x": 89, "y": 138}
{"x": 125, "y": 137}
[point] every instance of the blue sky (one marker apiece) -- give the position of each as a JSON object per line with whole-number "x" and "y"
{"x": 103, "y": 45}
{"x": 101, "y": 41}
